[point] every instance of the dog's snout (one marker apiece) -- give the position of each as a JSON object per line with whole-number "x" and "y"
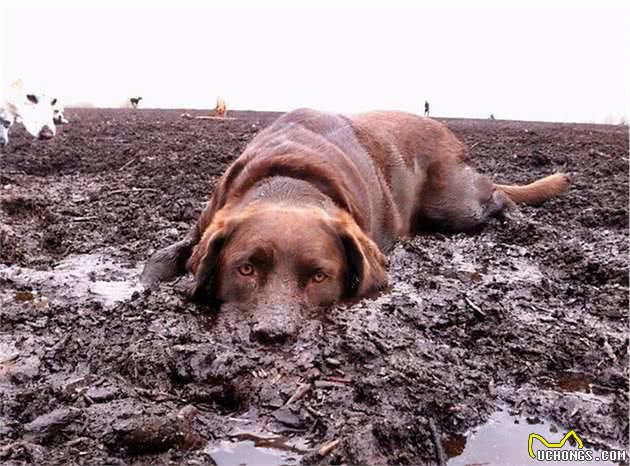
{"x": 46, "y": 133}
{"x": 276, "y": 324}
{"x": 268, "y": 333}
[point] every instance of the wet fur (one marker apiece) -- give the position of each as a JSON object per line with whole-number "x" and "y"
{"x": 371, "y": 178}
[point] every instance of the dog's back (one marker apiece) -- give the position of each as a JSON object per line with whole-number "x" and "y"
{"x": 375, "y": 165}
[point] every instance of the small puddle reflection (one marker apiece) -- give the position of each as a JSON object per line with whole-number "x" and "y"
{"x": 254, "y": 448}
{"x": 453, "y": 444}
{"x": 503, "y": 441}
{"x": 569, "y": 381}
{"x": 573, "y": 382}
{"x": 246, "y": 453}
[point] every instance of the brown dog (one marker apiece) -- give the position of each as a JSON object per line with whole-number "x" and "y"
{"x": 304, "y": 215}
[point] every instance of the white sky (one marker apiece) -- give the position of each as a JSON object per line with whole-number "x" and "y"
{"x": 532, "y": 60}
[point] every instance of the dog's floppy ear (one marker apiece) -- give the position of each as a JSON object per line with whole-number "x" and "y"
{"x": 365, "y": 264}
{"x": 167, "y": 263}
{"x": 204, "y": 261}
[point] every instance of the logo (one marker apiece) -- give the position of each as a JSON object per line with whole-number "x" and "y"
{"x": 560, "y": 444}
{"x": 556, "y": 453}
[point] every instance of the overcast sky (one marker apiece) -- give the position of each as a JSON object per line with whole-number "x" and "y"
{"x": 532, "y": 60}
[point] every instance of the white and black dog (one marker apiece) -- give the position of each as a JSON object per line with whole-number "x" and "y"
{"x": 34, "y": 110}
{"x": 58, "y": 116}
{"x": 6, "y": 121}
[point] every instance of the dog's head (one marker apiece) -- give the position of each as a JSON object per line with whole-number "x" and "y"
{"x": 34, "y": 110}
{"x": 273, "y": 255}
{"x": 6, "y": 121}
{"x": 58, "y": 116}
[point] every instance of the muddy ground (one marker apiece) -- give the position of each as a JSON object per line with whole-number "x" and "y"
{"x": 528, "y": 319}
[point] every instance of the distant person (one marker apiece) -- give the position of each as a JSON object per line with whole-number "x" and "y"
{"x": 492, "y": 116}
{"x": 135, "y": 101}
{"x": 221, "y": 109}
{"x": 426, "y": 108}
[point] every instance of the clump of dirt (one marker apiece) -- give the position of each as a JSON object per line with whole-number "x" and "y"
{"x": 94, "y": 370}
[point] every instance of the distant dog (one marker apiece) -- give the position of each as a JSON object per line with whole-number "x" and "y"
{"x": 6, "y": 121}
{"x": 135, "y": 101}
{"x": 58, "y": 116}
{"x": 304, "y": 215}
{"x": 34, "y": 111}
{"x": 221, "y": 108}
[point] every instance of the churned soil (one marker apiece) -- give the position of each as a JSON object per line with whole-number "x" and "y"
{"x": 528, "y": 316}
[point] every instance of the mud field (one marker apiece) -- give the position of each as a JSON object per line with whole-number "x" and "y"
{"x": 523, "y": 324}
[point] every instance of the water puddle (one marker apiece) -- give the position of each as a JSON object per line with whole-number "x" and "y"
{"x": 503, "y": 441}
{"x": 247, "y": 453}
{"x": 255, "y": 448}
{"x": 94, "y": 276}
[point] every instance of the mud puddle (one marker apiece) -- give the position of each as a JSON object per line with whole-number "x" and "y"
{"x": 515, "y": 267}
{"x": 256, "y": 448}
{"x": 503, "y": 441}
{"x": 96, "y": 276}
{"x": 582, "y": 384}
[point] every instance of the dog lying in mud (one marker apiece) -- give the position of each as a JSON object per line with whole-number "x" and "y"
{"x": 305, "y": 215}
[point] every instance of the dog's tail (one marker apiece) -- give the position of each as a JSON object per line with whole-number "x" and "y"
{"x": 537, "y": 192}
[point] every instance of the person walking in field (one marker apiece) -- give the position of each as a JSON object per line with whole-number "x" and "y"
{"x": 426, "y": 108}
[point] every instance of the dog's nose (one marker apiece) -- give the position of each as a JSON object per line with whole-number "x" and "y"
{"x": 46, "y": 133}
{"x": 276, "y": 324}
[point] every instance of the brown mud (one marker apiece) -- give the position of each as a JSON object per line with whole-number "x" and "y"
{"x": 526, "y": 318}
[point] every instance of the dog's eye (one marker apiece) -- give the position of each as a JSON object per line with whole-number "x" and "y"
{"x": 319, "y": 276}
{"x": 33, "y": 98}
{"x": 246, "y": 269}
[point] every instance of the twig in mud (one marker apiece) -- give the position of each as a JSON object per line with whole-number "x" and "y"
{"x": 311, "y": 430}
{"x": 84, "y": 219}
{"x": 441, "y": 456}
{"x": 314, "y": 412}
{"x": 328, "y": 447}
{"x": 338, "y": 379}
{"x": 202, "y": 117}
{"x": 126, "y": 165}
{"x": 57, "y": 346}
{"x": 302, "y": 390}
{"x": 473, "y": 146}
{"x": 10, "y": 358}
{"x": 329, "y": 384}
{"x": 476, "y": 309}
{"x": 133, "y": 190}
